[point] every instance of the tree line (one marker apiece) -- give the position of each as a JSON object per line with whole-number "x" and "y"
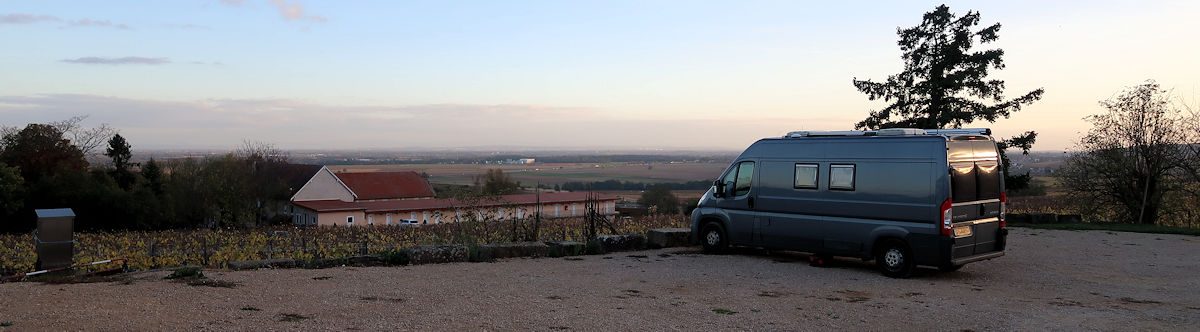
{"x": 58, "y": 165}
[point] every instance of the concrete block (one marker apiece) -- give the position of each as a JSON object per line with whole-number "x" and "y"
{"x": 1070, "y": 218}
{"x": 667, "y": 237}
{"x": 1045, "y": 218}
{"x": 488, "y": 252}
{"x": 629, "y": 242}
{"x": 565, "y": 248}
{"x": 435, "y": 254}
{"x": 1018, "y": 218}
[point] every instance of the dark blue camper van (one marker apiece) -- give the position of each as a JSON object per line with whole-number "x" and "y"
{"x": 903, "y": 197}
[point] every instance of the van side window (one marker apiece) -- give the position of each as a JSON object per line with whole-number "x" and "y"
{"x": 806, "y": 176}
{"x": 841, "y": 177}
{"x": 728, "y": 181}
{"x": 745, "y": 175}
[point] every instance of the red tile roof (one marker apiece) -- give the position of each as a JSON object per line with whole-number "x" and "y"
{"x": 386, "y": 185}
{"x": 439, "y": 204}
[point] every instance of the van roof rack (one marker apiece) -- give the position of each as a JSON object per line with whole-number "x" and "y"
{"x": 960, "y": 131}
{"x": 890, "y": 132}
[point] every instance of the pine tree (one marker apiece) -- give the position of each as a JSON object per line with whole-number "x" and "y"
{"x": 118, "y": 150}
{"x": 944, "y": 83}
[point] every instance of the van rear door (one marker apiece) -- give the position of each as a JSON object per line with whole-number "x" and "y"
{"x": 976, "y": 183}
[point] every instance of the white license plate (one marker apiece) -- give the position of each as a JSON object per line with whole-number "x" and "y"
{"x": 962, "y": 231}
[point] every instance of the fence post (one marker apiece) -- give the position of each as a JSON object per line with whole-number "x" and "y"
{"x": 154, "y": 254}
{"x": 204, "y": 250}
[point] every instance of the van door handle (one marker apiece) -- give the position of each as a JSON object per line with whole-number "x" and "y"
{"x": 750, "y": 201}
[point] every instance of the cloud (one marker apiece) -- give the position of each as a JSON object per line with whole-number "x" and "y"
{"x": 26, "y": 18}
{"x": 294, "y": 11}
{"x": 289, "y": 10}
{"x": 128, "y": 60}
{"x": 98, "y": 24}
{"x": 86, "y": 22}
{"x": 298, "y": 124}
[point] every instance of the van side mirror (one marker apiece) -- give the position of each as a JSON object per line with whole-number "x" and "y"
{"x": 718, "y": 189}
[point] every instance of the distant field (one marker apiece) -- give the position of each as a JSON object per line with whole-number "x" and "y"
{"x": 633, "y": 195}
{"x": 551, "y": 174}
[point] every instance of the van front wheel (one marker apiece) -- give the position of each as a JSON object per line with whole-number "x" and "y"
{"x": 713, "y": 238}
{"x": 894, "y": 259}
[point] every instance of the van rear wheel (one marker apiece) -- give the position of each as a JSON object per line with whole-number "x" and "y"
{"x": 894, "y": 259}
{"x": 713, "y": 237}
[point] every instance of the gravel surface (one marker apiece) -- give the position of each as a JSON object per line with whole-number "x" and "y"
{"x": 1049, "y": 280}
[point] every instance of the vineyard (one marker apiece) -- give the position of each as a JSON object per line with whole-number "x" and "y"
{"x": 217, "y": 248}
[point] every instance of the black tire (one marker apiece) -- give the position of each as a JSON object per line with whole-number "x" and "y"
{"x": 894, "y": 259}
{"x": 949, "y": 268}
{"x": 714, "y": 238}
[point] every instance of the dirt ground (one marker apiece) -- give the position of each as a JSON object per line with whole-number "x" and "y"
{"x": 1049, "y": 280}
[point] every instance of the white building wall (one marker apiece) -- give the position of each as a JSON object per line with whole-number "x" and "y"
{"x": 323, "y": 186}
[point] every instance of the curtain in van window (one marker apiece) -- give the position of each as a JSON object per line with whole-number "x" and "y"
{"x": 987, "y": 175}
{"x": 962, "y": 182}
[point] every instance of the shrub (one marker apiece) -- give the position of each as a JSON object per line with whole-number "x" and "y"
{"x": 186, "y": 272}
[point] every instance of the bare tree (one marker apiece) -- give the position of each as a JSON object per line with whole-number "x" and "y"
{"x": 1131, "y": 161}
{"x": 1191, "y": 167}
{"x": 6, "y": 130}
{"x": 86, "y": 139}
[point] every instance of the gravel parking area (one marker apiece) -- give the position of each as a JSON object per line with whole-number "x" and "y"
{"x": 1049, "y": 280}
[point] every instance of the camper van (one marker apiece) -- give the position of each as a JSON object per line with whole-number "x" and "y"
{"x": 901, "y": 197}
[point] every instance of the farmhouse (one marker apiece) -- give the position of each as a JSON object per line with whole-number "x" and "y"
{"x": 364, "y": 187}
{"x": 393, "y": 198}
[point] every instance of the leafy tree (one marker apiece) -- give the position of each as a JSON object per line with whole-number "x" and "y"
{"x": 660, "y": 196}
{"x": 40, "y": 150}
{"x": 12, "y": 190}
{"x": 495, "y": 182}
{"x": 1134, "y": 158}
{"x": 944, "y": 82}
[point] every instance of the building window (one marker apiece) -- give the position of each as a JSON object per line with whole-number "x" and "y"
{"x": 349, "y": 220}
{"x": 841, "y": 177}
{"x": 806, "y": 176}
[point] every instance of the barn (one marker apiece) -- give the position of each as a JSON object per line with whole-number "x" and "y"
{"x": 394, "y": 198}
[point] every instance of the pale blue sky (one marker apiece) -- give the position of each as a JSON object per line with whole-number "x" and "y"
{"x": 604, "y": 74}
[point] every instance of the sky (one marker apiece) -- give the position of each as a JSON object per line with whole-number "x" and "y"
{"x": 365, "y": 74}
